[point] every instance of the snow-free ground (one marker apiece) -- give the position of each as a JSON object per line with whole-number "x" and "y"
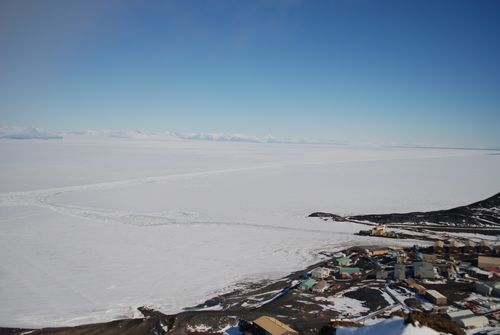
{"x": 91, "y": 228}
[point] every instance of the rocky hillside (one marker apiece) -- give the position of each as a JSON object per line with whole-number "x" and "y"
{"x": 485, "y": 213}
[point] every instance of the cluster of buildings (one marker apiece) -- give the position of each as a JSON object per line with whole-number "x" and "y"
{"x": 321, "y": 278}
{"x": 454, "y": 246}
{"x": 427, "y": 275}
{"x": 449, "y": 264}
{"x": 379, "y": 231}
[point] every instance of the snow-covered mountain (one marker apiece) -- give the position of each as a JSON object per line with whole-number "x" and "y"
{"x": 37, "y": 133}
{"x": 26, "y": 134}
{"x": 196, "y": 136}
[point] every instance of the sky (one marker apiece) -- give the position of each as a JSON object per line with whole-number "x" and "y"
{"x": 356, "y": 71}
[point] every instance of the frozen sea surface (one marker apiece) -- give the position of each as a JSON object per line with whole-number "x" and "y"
{"x": 93, "y": 228}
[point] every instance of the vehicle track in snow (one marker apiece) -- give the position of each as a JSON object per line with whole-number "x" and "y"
{"x": 44, "y": 199}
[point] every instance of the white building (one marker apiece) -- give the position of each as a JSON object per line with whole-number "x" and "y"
{"x": 473, "y": 322}
{"x": 478, "y": 273}
{"x": 455, "y": 315}
{"x": 320, "y": 273}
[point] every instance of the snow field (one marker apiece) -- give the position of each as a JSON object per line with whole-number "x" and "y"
{"x": 91, "y": 229}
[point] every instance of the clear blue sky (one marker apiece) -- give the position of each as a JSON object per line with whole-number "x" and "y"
{"x": 406, "y": 72}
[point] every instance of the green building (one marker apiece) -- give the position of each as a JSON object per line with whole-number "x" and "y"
{"x": 307, "y": 284}
{"x": 343, "y": 261}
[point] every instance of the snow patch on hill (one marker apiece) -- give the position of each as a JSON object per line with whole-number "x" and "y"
{"x": 388, "y": 327}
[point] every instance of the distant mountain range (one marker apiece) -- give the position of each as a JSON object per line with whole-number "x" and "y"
{"x": 17, "y": 133}
{"x": 219, "y": 137}
{"x": 14, "y": 133}
{"x": 36, "y": 133}
{"x": 484, "y": 213}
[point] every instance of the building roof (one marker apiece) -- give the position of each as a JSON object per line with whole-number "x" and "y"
{"x": 495, "y": 284}
{"x": 459, "y": 314}
{"x": 320, "y": 272}
{"x": 308, "y": 283}
{"x": 423, "y": 270}
{"x": 321, "y": 285}
{"x": 435, "y": 294}
{"x": 343, "y": 259}
{"x": 378, "y": 249}
{"x": 480, "y": 272}
{"x": 419, "y": 287}
{"x": 473, "y": 321}
{"x": 483, "y": 261}
{"x": 349, "y": 270}
{"x": 274, "y": 327}
{"x": 470, "y": 243}
{"x": 439, "y": 243}
{"x": 423, "y": 265}
{"x": 410, "y": 281}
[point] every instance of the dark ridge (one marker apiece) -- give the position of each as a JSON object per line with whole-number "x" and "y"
{"x": 484, "y": 213}
{"x": 326, "y": 215}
